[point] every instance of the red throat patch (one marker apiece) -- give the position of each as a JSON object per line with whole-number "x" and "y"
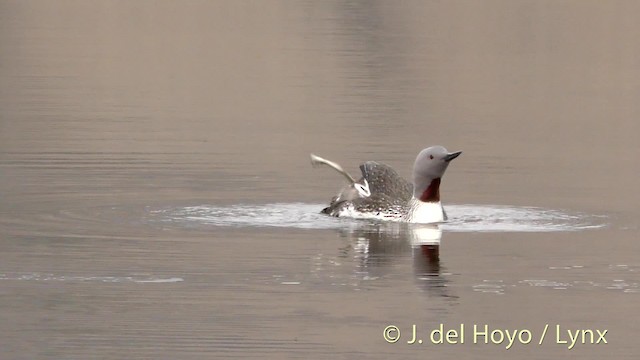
{"x": 432, "y": 193}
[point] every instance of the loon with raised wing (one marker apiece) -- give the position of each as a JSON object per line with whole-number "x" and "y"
{"x": 382, "y": 194}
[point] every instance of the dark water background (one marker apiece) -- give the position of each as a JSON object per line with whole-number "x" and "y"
{"x": 157, "y": 201}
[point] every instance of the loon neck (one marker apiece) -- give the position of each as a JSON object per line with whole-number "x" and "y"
{"x": 432, "y": 192}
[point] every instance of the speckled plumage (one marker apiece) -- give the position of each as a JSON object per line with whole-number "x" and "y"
{"x": 390, "y": 194}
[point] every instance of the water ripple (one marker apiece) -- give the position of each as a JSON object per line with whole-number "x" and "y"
{"x": 89, "y": 278}
{"x": 462, "y": 218}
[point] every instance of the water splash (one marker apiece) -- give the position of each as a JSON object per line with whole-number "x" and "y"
{"x": 462, "y": 218}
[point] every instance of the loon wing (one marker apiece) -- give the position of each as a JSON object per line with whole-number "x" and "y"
{"x": 379, "y": 191}
{"x": 382, "y": 179}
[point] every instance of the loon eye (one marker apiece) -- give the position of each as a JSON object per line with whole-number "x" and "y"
{"x": 431, "y": 157}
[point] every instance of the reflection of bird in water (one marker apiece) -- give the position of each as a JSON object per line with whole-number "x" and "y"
{"x": 425, "y": 245}
{"x": 376, "y": 246}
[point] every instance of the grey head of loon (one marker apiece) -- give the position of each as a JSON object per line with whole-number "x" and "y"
{"x": 428, "y": 169}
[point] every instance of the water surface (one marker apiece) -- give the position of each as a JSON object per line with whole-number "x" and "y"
{"x": 157, "y": 200}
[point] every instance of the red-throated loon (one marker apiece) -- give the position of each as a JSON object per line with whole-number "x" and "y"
{"x": 382, "y": 194}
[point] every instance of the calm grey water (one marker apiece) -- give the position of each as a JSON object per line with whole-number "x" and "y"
{"x": 157, "y": 200}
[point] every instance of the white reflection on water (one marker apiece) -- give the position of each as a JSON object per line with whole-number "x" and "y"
{"x": 88, "y": 278}
{"x": 462, "y": 218}
{"x": 621, "y": 281}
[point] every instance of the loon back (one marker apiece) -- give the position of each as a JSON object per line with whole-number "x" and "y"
{"x": 380, "y": 189}
{"x": 383, "y": 179}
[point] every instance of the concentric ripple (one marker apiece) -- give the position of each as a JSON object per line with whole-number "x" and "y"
{"x": 462, "y": 218}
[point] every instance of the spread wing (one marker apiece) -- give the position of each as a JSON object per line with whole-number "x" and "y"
{"x": 384, "y": 193}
